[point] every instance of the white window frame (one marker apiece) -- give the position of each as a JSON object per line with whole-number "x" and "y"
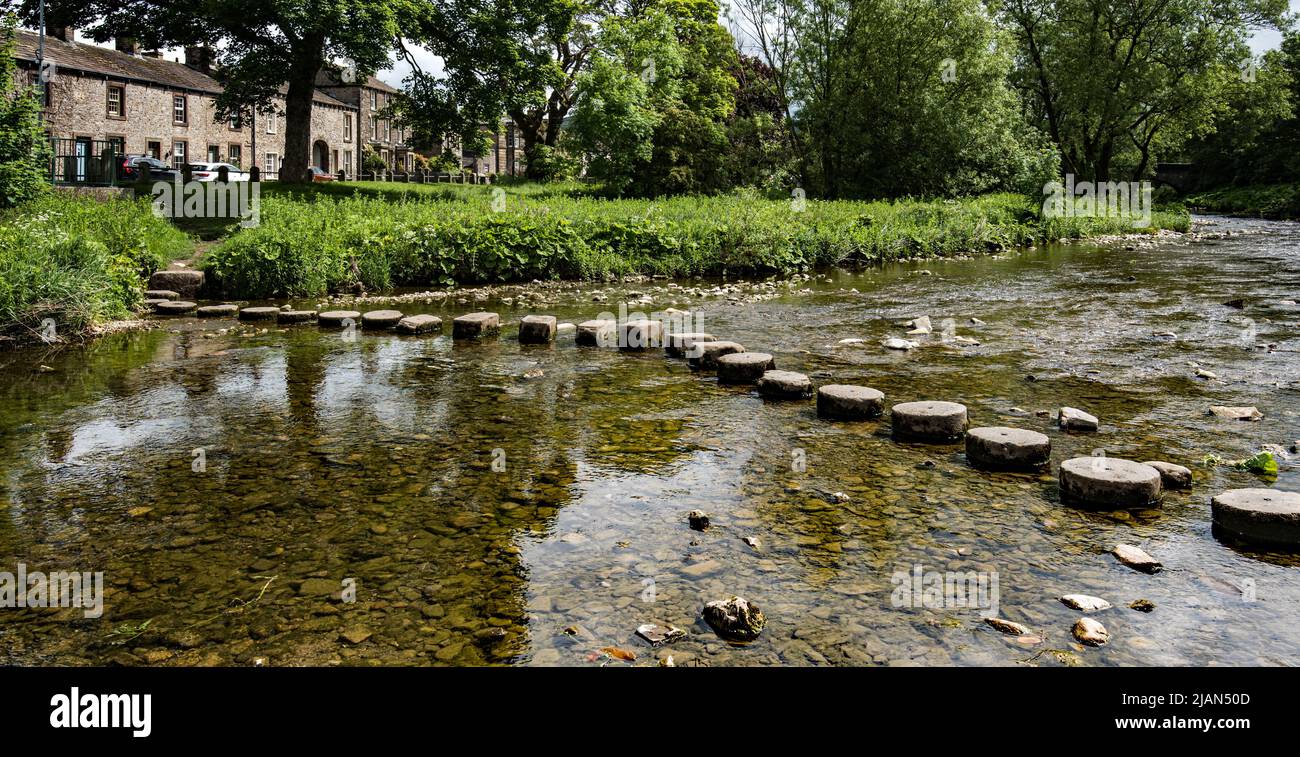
{"x": 181, "y": 105}
{"x": 271, "y": 164}
{"x": 180, "y": 153}
{"x": 270, "y": 122}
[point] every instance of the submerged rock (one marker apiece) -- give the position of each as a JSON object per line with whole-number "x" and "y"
{"x": 1090, "y": 632}
{"x": 1250, "y": 413}
{"x": 698, "y": 520}
{"x": 1085, "y": 603}
{"x": 1008, "y": 627}
{"x": 658, "y": 635}
{"x": 1172, "y": 476}
{"x": 735, "y": 619}
{"x": 1143, "y": 605}
{"x": 1136, "y": 558}
{"x": 894, "y": 343}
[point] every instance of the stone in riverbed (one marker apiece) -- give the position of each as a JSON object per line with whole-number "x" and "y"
{"x": 698, "y": 520}
{"x": 679, "y": 344}
{"x": 1264, "y": 516}
{"x": 335, "y": 318}
{"x": 707, "y": 354}
{"x": 1109, "y": 481}
{"x": 658, "y": 635}
{"x": 599, "y": 333}
{"x": 1090, "y": 632}
{"x": 1172, "y": 476}
{"x": 183, "y": 283}
{"x": 846, "y": 402}
{"x": 1003, "y": 448}
{"x": 894, "y": 343}
{"x": 641, "y": 334}
{"x": 381, "y": 319}
{"x": 1008, "y": 627}
{"x": 537, "y": 329}
{"x": 1074, "y": 419}
{"x": 174, "y": 307}
{"x": 162, "y": 294}
{"x": 295, "y": 316}
{"x": 784, "y": 385}
{"x": 1250, "y": 413}
{"x": 475, "y": 325}
{"x": 735, "y": 619}
{"x": 217, "y": 311}
{"x": 258, "y": 314}
{"x": 1136, "y": 558}
{"x": 419, "y": 324}
{"x": 928, "y": 421}
{"x": 744, "y": 367}
{"x": 1142, "y": 605}
{"x": 1085, "y": 603}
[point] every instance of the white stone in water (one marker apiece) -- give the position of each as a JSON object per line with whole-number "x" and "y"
{"x": 920, "y": 325}
{"x": 851, "y": 340}
{"x": 1085, "y": 603}
{"x": 1136, "y": 558}
{"x": 1250, "y": 413}
{"x": 1007, "y": 626}
{"x": 1090, "y": 632}
{"x": 1074, "y": 419}
{"x": 1172, "y": 476}
{"x": 565, "y": 328}
{"x": 894, "y": 343}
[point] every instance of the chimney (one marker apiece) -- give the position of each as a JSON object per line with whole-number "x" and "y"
{"x": 127, "y": 45}
{"x": 65, "y": 33}
{"x": 199, "y": 58}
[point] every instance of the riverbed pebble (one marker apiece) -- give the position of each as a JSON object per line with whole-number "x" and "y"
{"x": 1136, "y": 558}
{"x": 735, "y": 619}
{"x": 1264, "y": 516}
{"x": 1085, "y": 602}
{"x": 1109, "y": 481}
{"x": 1250, "y": 413}
{"x": 1004, "y": 448}
{"x": 928, "y": 421}
{"x": 1090, "y": 632}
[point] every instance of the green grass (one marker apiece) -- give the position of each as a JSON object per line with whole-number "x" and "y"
{"x": 1280, "y": 201}
{"x": 324, "y": 238}
{"x": 79, "y": 261}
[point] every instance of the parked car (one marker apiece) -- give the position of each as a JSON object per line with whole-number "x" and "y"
{"x": 212, "y": 172}
{"x": 135, "y": 167}
{"x": 318, "y": 174}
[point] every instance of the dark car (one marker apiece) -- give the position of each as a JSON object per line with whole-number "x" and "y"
{"x": 135, "y": 167}
{"x": 319, "y": 174}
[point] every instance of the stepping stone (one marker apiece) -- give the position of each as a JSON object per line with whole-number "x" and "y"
{"x": 296, "y": 316}
{"x": 152, "y": 302}
{"x": 1003, "y": 448}
{"x": 174, "y": 307}
{"x": 537, "y": 329}
{"x": 783, "y": 385}
{"x": 259, "y": 314}
{"x": 1263, "y": 516}
{"x": 1172, "y": 476}
{"x": 641, "y": 335}
{"x": 708, "y": 353}
{"x": 1109, "y": 481}
{"x": 474, "y": 325}
{"x": 419, "y": 324}
{"x": 1074, "y": 419}
{"x": 928, "y": 421}
{"x": 183, "y": 283}
{"x": 381, "y": 319}
{"x": 599, "y": 333}
{"x": 679, "y": 344}
{"x": 744, "y": 367}
{"x": 217, "y": 311}
{"x": 846, "y": 402}
{"x": 162, "y": 294}
{"x": 335, "y": 318}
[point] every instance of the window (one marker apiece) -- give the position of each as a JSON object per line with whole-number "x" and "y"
{"x": 236, "y": 122}
{"x": 180, "y": 113}
{"x": 388, "y": 131}
{"x": 374, "y": 100}
{"x": 117, "y": 145}
{"x": 347, "y": 162}
{"x": 347, "y": 127}
{"x": 116, "y": 102}
{"x": 270, "y": 122}
{"x": 214, "y": 154}
{"x": 272, "y": 163}
{"x": 374, "y": 128}
{"x": 235, "y": 153}
{"x": 178, "y": 154}
{"x": 155, "y": 150}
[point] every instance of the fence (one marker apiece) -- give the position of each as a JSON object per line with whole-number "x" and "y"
{"x": 85, "y": 162}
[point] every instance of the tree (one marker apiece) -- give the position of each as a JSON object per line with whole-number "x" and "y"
{"x": 24, "y": 149}
{"x": 1113, "y": 83}
{"x": 261, "y": 46}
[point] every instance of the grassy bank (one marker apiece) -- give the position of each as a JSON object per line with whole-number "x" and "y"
{"x": 378, "y": 236}
{"x": 79, "y": 261}
{"x": 1279, "y": 201}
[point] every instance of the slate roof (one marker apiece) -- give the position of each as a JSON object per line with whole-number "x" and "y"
{"x": 329, "y": 79}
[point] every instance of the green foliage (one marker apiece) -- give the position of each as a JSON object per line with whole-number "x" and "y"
{"x": 1266, "y": 201}
{"x": 24, "y": 150}
{"x": 371, "y": 160}
{"x": 1262, "y": 463}
{"x": 79, "y": 260}
{"x": 306, "y": 244}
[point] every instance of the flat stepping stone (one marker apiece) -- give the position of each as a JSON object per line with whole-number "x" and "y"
{"x": 537, "y": 329}
{"x": 183, "y": 283}
{"x": 174, "y": 307}
{"x": 928, "y": 421}
{"x": 641, "y": 335}
{"x": 679, "y": 344}
{"x": 335, "y": 318}
{"x": 381, "y": 319}
{"x": 1262, "y": 516}
{"x": 784, "y": 385}
{"x": 217, "y": 311}
{"x": 1109, "y": 481}
{"x": 1172, "y": 476}
{"x": 153, "y": 302}
{"x": 744, "y": 367}
{"x": 1074, "y": 419}
{"x": 707, "y": 354}
{"x": 419, "y": 324}
{"x": 259, "y": 314}
{"x": 846, "y": 402}
{"x": 475, "y": 325}
{"x": 296, "y": 316}
{"x": 1004, "y": 448}
{"x": 598, "y": 333}
{"x": 162, "y": 294}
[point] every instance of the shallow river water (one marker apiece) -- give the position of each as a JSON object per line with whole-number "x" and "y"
{"x": 410, "y": 500}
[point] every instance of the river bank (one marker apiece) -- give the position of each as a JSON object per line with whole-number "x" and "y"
{"x": 1272, "y": 201}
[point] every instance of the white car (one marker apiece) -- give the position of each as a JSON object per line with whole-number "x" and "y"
{"x": 209, "y": 172}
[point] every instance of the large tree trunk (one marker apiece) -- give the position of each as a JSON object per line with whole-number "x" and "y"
{"x": 307, "y": 61}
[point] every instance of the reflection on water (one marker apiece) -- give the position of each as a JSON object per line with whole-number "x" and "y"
{"x": 486, "y": 513}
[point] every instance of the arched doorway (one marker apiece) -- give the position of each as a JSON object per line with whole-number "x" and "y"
{"x": 320, "y": 156}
